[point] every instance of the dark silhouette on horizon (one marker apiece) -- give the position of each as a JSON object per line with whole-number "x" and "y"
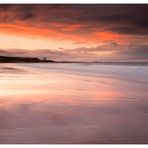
{"x": 8, "y": 59}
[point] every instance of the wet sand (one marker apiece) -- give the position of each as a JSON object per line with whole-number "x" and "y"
{"x": 73, "y": 103}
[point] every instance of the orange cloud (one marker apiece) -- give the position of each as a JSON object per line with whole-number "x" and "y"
{"x": 60, "y": 31}
{"x": 107, "y": 35}
{"x": 23, "y": 29}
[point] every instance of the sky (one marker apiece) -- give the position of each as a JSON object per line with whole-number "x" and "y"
{"x": 76, "y": 32}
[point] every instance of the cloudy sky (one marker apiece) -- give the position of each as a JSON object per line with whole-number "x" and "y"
{"x": 75, "y": 32}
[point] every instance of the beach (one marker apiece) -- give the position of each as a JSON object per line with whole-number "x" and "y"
{"x": 80, "y": 103}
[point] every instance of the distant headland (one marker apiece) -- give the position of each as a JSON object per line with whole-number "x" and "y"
{"x": 8, "y": 59}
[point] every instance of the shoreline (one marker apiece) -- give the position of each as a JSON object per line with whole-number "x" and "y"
{"x": 89, "y": 63}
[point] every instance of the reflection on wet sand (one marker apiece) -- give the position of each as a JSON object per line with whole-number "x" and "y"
{"x": 43, "y": 106}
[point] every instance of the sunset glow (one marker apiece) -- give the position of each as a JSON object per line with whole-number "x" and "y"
{"x": 63, "y": 30}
